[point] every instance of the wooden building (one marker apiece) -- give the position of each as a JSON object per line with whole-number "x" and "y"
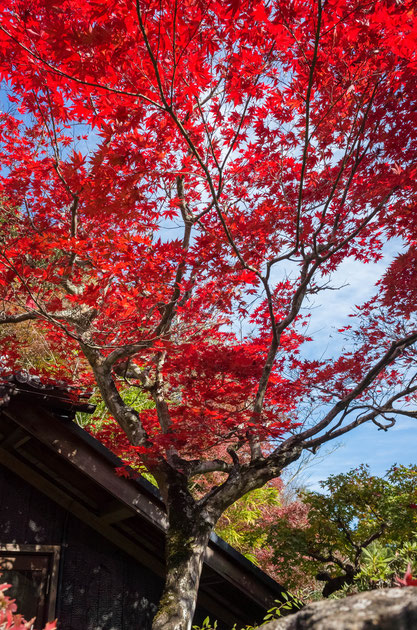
{"x": 84, "y": 545}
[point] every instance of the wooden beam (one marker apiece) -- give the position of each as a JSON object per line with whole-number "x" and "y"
{"x": 58, "y": 436}
{"x": 17, "y": 438}
{"x": 67, "y": 502}
{"x": 145, "y": 558}
{"x": 53, "y": 433}
{"x": 114, "y": 512}
{"x": 237, "y": 576}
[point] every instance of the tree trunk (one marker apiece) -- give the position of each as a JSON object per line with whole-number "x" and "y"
{"x": 185, "y": 549}
{"x": 190, "y": 526}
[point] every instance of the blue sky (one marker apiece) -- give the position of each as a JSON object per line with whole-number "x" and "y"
{"x": 330, "y": 311}
{"x": 366, "y": 444}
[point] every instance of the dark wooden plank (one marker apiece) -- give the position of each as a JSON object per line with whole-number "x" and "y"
{"x": 69, "y": 503}
{"x": 114, "y": 512}
{"x": 238, "y": 577}
{"x": 56, "y": 435}
{"x": 15, "y": 439}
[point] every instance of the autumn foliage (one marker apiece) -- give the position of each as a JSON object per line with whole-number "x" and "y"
{"x": 408, "y": 579}
{"x": 179, "y": 182}
{"x": 10, "y": 619}
{"x": 105, "y": 158}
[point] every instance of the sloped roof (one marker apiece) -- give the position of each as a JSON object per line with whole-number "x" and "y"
{"x": 41, "y": 443}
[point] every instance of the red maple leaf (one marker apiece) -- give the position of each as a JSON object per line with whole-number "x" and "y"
{"x": 408, "y": 579}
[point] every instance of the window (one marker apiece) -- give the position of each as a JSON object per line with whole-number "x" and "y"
{"x": 32, "y": 570}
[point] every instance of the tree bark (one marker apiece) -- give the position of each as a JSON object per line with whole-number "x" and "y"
{"x": 190, "y": 526}
{"x": 185, "y": 550}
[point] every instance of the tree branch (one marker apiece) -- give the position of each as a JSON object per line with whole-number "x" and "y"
{"x": 395, "y": 349}
{"x": 76, "y": 79}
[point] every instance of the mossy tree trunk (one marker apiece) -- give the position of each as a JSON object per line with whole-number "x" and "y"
{"x": 191, "y": 521}
{"x": 184, "y": 559}
{"x": 187, "y": 537}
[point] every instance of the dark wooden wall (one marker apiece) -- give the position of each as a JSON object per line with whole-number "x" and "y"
{"x": 100, "y": 587}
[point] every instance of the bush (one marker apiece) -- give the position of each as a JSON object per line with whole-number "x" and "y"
{"x": 10, "y": 619}
{"x": 290, "y": 604}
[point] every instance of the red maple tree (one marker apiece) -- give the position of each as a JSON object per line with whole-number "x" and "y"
{"x": 178, "y": 180}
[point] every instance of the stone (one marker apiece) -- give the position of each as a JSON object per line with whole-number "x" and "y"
{"x": 384, "y": 609}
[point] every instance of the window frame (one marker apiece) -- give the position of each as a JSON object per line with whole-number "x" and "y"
{"x": 54, "y": 552}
